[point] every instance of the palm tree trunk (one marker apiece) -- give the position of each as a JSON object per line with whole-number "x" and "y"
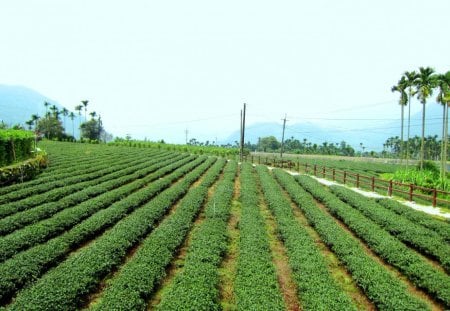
{"x": 423, "y": 137}
{"x": 445, "y": 140}
{"x": 443, "y": 143}
{"x": 401, "y": 136}
{"x": 409, "y": 122}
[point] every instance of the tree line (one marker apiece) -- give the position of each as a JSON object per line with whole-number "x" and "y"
{"x": 52, "y": 126}
{"x": 421, "y": 85}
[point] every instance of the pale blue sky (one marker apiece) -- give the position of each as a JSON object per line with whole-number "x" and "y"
{"x": 154, "y": 68}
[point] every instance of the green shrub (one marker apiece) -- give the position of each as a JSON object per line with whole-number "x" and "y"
{"x": 23, "y": 171}
{"x": 15, "y": 145}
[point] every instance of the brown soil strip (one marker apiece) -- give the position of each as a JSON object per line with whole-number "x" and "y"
{"x": 227, "y": 269}
{"x": 281, "y": 262}
{"x": 410, "y": 286}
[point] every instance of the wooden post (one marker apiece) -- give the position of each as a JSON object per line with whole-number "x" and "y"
{"x": 345, "y": 177}
{"x": 252, "y": 159}
{"x": 434, "y": 197}
{"x": 390, "y": 188}
{"x": 334, "y": 174}
{"x": 306, "y": 168}
{"x": 373, "y": 184}
{"x": 315, "y": 170}
{"x": 323, "y": 171}
{"x": 357, "y": 180}
{"x": 298, "y": 165}
{"x": 411, "y": 189}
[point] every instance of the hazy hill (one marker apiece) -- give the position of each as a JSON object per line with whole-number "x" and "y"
{"x": 18, "y": 103}
{"x": 372, "y": 136}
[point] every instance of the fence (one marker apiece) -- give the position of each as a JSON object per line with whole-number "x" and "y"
{"x": 410, "y": 192}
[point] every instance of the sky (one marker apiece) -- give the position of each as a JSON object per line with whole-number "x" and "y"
{"x": 153, "y": 69}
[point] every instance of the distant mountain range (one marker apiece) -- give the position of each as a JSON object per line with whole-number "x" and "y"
{"x": 18, "y": 103}
{"x": 371, "y": 136}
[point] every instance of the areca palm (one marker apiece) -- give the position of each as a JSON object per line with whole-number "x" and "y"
{"x": 65, "y": 113}
{"x": 85, "y": 103}
{"x": 443, "y": 82}
{"x": 72, "y": 117}
{"x": 400, "y": 87}
{"x": 425, "y": 83}
{"x": 410, "y": 77}
{"x": 46, "y": 104}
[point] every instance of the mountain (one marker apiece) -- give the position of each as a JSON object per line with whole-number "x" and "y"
{"x": 372, "y": 136}
{"x": 18, "y": 103}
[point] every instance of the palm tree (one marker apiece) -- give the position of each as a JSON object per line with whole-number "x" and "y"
{"x": 85, "y": 103}
{"x": 29, "y": 123}
{"x": 443, "y": 82}
{"x": 400, "y": 87}
{"x": 425, "y": 83}
{"x": 79, "y": 108}
{"x": 72, "y": 117}
{"x": 65, "y": 113}
{"x": 35, "y": 118}
{"x": 46, "y": 104}
{"x": 93, "y": 114}
{"x": 55, "y": 111}
{"x": 411, "y": 77}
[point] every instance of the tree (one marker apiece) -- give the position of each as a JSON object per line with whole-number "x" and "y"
{"x": 85, "y": 103}
{"x": 425, "y": 83}
{"x": 79, "y": 108}
{"x": 93, "y": 114}
{"x": 29, "y": 123}
{"x": 91, "y": 129}
{"x": 51, "y": 127}
{"x": 400, "y": 87}
{"x": 443, "y": 82}
{"x": 411, "y": 77}
{"x": 46, "y": 104}
{"x": 65, "y": 113}
{"x": 72, "y": 117}
{"x": 269, "y": 143}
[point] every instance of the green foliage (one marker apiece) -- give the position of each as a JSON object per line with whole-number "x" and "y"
{"x": 423, "y": 239}
{"x": 193, "y": 149}
{"x": 39, "y": 232}
{"x": 83, "y": 271}
{"x": 129, "y": 289}
{"x": 51, "y": 127}
{"x": 317, "y": 289}
{"x": 196, "y": 287}
{"x": 417, "y": 269}
{"x": 439, "y": 226}
{"x": 380, "y": 286}
{"x": 20, "y": 172}
{"x": 35, "y": 260}
{"x": 269, "y": 143}
{"x": 92, "y": 130}
{"x": 15, "y": 145}
{"x": 427, "y": 178}
{"x": 256, "y": 280}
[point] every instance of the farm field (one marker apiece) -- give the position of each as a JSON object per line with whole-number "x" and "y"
{"x": 122, "y": 228}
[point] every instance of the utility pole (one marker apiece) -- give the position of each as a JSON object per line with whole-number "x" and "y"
{"x": 282, "y": 136}
{"x": 186, "y": 133}
{"x": 241, "y": 153}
